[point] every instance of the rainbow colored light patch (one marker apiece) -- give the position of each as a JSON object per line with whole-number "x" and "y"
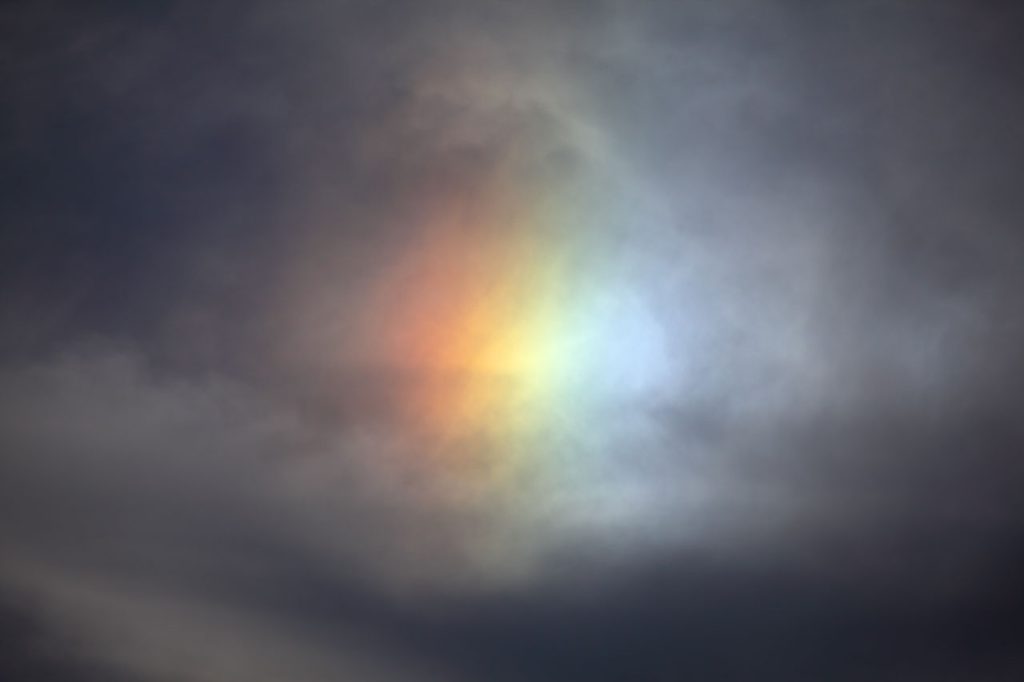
{"x": 513, "y": 320}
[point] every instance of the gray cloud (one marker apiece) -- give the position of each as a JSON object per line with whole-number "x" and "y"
{"x": 202, "y": 475}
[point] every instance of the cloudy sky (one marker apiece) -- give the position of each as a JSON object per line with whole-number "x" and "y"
{"x": 478, "y": 341}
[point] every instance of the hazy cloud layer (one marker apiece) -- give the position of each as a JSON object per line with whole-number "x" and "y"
{"x": 812, "y": 210}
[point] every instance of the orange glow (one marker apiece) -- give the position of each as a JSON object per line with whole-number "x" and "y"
{"x": 472, "y": 314}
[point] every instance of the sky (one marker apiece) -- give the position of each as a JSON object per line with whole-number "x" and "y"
{"x": 487, "y": 341}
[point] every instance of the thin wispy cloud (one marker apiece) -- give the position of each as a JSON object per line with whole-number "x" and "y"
{"x": 510, "y": 341}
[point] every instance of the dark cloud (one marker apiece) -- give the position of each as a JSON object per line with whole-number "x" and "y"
{"x": 203, "y": 472}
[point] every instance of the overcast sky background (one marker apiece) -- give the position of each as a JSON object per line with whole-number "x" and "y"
{"x": 200, "y": 475}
